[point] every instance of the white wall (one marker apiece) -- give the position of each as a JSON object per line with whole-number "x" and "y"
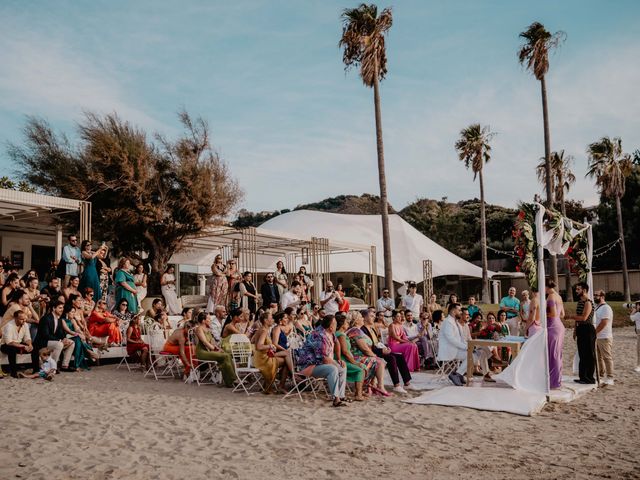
{"x": 22, "y": 242}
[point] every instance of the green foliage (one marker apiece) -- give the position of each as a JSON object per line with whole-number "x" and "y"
{"x": 22, "y": 186}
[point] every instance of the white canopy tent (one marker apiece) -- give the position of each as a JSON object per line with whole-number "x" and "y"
{"x": 409, "y": 247}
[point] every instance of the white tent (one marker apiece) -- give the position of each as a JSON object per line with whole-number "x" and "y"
{"x": 409, "y": 247}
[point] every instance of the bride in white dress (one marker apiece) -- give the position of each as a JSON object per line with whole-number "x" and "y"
{"x": 168, "y": 288}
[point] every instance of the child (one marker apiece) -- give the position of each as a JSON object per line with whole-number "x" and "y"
{"x": 48, "y": 366}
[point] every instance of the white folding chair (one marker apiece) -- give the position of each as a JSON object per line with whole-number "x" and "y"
{"x": 125, "y": 362}
{"x": 241, "y": 354}
{"x": 301, "y": 382}
{"x": 207, "y": 372}
{"x": 445, "y": 368}
{"x": 163, "y": 364}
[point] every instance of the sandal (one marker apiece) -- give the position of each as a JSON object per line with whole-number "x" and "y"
{"x": 377, "y": 391}
{"x": 339, "y": 403}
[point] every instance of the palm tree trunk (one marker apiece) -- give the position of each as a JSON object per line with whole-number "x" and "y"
{"x": 623, "y": 253}
{"x": 547, "y": 165}
{"x": 483, "y": 244}
{"x": 384, "y": 207}
{"x": 567, "y": 275}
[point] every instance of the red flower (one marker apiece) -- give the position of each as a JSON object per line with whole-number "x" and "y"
{"x": 517, "y": 268}
{"x": 521, "y": 215}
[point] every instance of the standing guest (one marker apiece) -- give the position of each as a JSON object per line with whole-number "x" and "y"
{"x": 356, "y": 370}
{"x": 604, "y": 337}
{"x": 52, "y": 336}
{"x": 104, "y": 271}
{"x": 345, "y": 305}
{"x": 511, "y": 305}
{"x": 525, "y": 306}
{"x": 103, "y": 324}
{"x": 73, "y": 283}
{"x": 126, "y": 286}
{"x": 316, "y": 359}
{"x": 306, "y": 281}
{"x": 280, "y": 277}
{"x": 16, "y": 339}
{"x": 140, "y": 281}
{"x": 90, "y": 276}
{"x": 249, "y": 297}
{"x": 399, "y": 343}
{"x": 269, "y": 291}
{"x": 433, "y": 304}
{"x": 472, "y": 309}
{"x": 412, "y": 301}
{"x": 72, "y": 258}
{"x": 268, "y": 359}
{"x": 451, "y": 344}
{"x": 585, "y": 335}
{"x": 207, "y": 348}
{"x": 10, "y": 285}
{"x": 292, "y": 297}
{"x": 330, "y": 301}
{"x": 168, "y": 288}
{"x": 220, "y": 313}
{"x": 532, "y": 325}
{"x": 555, "y": 333}
{"x": 385, "y": 305}
{"x": 634, "y": 317}
{"x": 235, "y": 277}
{"x": 218, "y": 293}
{"x": 136, "y": 347}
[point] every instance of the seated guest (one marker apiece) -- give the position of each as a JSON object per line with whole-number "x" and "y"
{"x": 51, "y": 335}
{"x": 24, "y": 281}
{"x": 316, "y": 359}
{"x": 72, "y": 288}
{"x": 314, "y": 315}
{"x": 16, "y": 339}
{"x": 162, "y": 320}
{"x": 292, "y": 297}
{"x": 433, "y": 304}
{"x": 156, "y": 307}
{"x": 302, "y": 323}
{"x": 282, "y": 330}
{"x": 481, "y": 355}
{"x": 178, "y": 344}
{"x": 268, "y": 359}
{"x": 476, "y": 324}
{"x": 52, "y": 291}
{"x": 48, "y": 366}
{"x": 356, "y": 370}
{"x": 472, "y": 308}
{"x": 136, "y": 347}
{"x": 399, "y": 343}
{"x": 219, "y": 316}
{"x": 102, "y": 324}
{"x": 121, "y": 311}
{"x": 395, "y": 361}
{"x": 453, "y": 298}
{"x": 382, "y": 327}
{"x": 269, "y": 292}
{"x": 187, "y": 316}
{"x": 88, "y": 304}
{"x": 425, "y": 334}
{"x": 11, "y": 284}
{"x": 207, "y": 349}
{"x": 410, "y": 327}
{"x": 20, "y": 301}
{"x": 232, "y": 327}
{"x": 82, "y": 348}
{"x": 451, "y": 345}
{"x": 360, "y": 348}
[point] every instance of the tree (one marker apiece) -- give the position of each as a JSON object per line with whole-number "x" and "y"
{"x": 474, "y": 150}
{"x": 534, "y": 54}
{"x": 610, "y": 167}
{"x": 363, "y": 42}
{"x": 562, "y": 179}
{"x": 8, "y": 184}
{"x": 146, "y": 195}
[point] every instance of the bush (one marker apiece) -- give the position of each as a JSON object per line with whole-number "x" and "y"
{"x": 615, "y": 296}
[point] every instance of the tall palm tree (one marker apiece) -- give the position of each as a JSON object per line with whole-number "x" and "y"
{"x": 611, "y": 166}
{"x": 562, "y": 180}
{"x": 474, "y": 150}
{"x": 363, "y": 33}
{"x": 534, "y": 54}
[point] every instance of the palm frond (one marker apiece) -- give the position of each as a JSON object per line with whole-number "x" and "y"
{"x": 473, "y": 147}
{"x": 534, "y": 52}
{"x": 609, "y": 165}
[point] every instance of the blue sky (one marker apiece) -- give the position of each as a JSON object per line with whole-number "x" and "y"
{"x": 293, "y": 127}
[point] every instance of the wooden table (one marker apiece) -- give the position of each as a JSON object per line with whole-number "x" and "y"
{"x": 514, "y": 345}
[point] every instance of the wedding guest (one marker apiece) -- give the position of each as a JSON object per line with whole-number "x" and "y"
{"x": 11, "y": 284}
{"x": 207, "y": 348}
{"x": 480, "y": 355}
{"x": 412, "y": 301}
{"x": 433, "y": 305}
{"x": 122, "y": 313}
{"x": 51, "y": 291}
{"x": 453, "y": 298}
{"x": 634, "y": 317}
{"x": 187, "y": 316}
{"x": 104, "y": 270}
{"x": 219, "y": 290}
{"x": 330, "y": 301}
{"x": 72, "y": 286}
{"x": 88, "y": 303}
{"x": 48, "y": 367}
{"x": 302, "y": 322}
{"x": 81, "y": 349}
{"x": 178, "y": 344}
{"x": 316, "y": 358}
{"x": 345, "y": 305}
{"x": 314, "y": 314}
{"x": 305, "y": 280}
{"x": 385, "y": 305}
{"x": 168, "y": 288}
{"x": 137, "y": 349}
{"x": 24, "y": 280}
{"x": 19, "y": 300}
{"x": 604, "y": 337}
{"x": 361, "y": 350}
{"x": 126, "y": 286}
{"x": 425, "y": 334}
{"x": 162, "y": 319}
{"x": 16, "y": 339}
{"x": 248, "y": 293}
{"x": 103, "y": 324}
{"x": 90, "y": 277}
{"x": 472, "y": 308}
{"x": 268, "y": 359}
{"x": 292, "y": 297}
{"x": 525, "y": 306}
{"x": 51, "y": 335}
{"x": 140, "y": 281}
{"x": 280, "y": 277}
{"x": 511, "y": 306}
{"x": 232, "y": 326}
{"x": 410, "y": 327}
{"x": 156, "y": 308}
{"x": 532, "y": 325}
{"x": 269, "y": 292}
{"x": 282, "y": 330}
{"x": 235, "y": 277}
{"x": 585, "y": 335}
{"x": 356, "y": 370}
{"x": 451, "y": 345}
{"x": 220, "y": 314}
{"x": 399, "y": 343}
{"x": 72, "y": 258}
{"x": 555, "y": 334}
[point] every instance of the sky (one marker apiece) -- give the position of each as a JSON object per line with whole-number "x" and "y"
{"x": 293, "y": 126}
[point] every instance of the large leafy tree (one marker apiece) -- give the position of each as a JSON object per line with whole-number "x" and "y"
{"x": 534, "y": 55}
{"x": 610, "y": 167}
{"x": 363, "y": 43}
{"x": 562, "y": 180}
{"x": 474, "y": 150}
{"x": 147, "y": 195}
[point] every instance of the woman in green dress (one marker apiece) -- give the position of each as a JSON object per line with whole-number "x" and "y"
{"x": 207, "y": 349}
{"x": 356, "y": 370}
{"x": 126, "y": 286}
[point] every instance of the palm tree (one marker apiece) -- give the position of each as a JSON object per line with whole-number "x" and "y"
{"x": 534, "y": 54}
{"x": 562, "y": 179}
{"x": 611, "y": 166}
{"x": 473, "y": 149}
{"x": 363, "y": 33}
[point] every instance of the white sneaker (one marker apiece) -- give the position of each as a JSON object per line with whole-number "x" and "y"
{"x": 608, "y": 381}
{"x": 637, "y": 369}
{"x": 399, "y": 390}
{"x": 410, "y": 387}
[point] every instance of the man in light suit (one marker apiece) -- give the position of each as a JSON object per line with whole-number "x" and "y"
{"x": 451, "y": 344}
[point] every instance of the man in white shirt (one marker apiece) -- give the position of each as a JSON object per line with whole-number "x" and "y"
{"x": 604, "y": 337}
{"x": 219, "y": 316}
{"x": 451, "y": 345}
{"x": 635, "y": 317}
{"x": 292, "y": 297}
{"x": 410, "y": 326}
{"x": 412, "y": 301}
{"x": 15, "y": 340}
{"x": 385, "y": 305}
{"x": 330, "y": 300}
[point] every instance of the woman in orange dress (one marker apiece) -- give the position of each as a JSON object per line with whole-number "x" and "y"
{"x": 102, "y": 324}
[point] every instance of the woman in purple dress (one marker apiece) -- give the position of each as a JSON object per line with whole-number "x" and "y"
{"x": 555, "y": 334}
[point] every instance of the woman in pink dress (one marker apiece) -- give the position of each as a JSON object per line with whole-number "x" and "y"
{"x": 399, "y": 343}
{"x": 555, "y": 334}
{"x": 219, "y": 285}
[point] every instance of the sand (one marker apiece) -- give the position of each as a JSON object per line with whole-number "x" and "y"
{"x": 108, "y": 424}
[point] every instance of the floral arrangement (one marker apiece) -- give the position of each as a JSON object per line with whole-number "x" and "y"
{"x": 577, "y": 256}
{"x": 490, "y": 331}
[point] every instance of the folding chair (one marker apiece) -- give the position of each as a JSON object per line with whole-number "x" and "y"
{"x": 445, "y": 368}
{"x": 241, "y": 354}
{"x": 206, "y": 372}
{"x": 123, "y": 329}
{"x": 171, "y": 366}
{"x": 301, "y": 382}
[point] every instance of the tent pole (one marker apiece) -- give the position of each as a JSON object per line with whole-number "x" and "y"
{"x": 542, "y": 297}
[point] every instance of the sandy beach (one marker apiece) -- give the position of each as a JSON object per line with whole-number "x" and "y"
{"x": 108, "y": 424}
